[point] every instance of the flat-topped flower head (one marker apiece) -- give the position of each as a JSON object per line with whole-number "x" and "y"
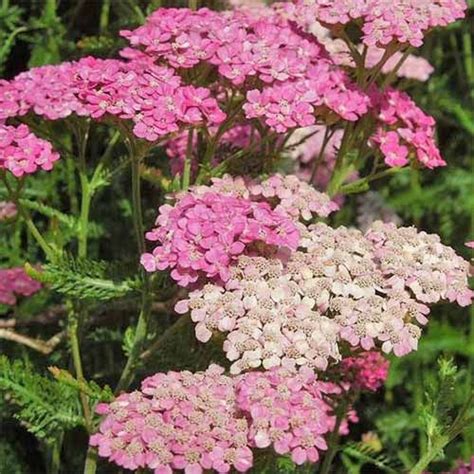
{"x": 14, "y": 282}
{"x": 341, "y": 286}
{"x": 383, "y": 21}
{"x": 286, "y": 78}
{"x": 176, "y": 421}
{"x": 418, "y": 262}
{"x": 22, "y": 152}
{"x": 150, "y": 96}
{"x": 287, "y": 411}
{"x": 203, "y": 233}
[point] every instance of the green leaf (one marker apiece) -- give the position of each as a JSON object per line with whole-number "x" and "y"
{"x": 365, "y": 453}
{"x": 82, "y": 279}
{"x": 90, "y": 388}
{"x": 45, "y": 405}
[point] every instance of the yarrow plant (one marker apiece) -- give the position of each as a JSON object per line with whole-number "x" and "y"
{"x": 256, "y": 124}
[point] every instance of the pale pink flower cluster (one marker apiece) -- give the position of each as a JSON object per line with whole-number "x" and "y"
{"x": 295, "y": 197}
{"x": 8, "y": 210}
{"x": 287, "y": 411}
{"x": 203, "y": 233}
{"x": 177, "y": 421}
{"x": 286, "y": 193}
{"x": 340, "y": 286}
{"x": 22, "y": 152}
{"x": 404, "y": 130}
{"x": 383, "y": 21}
{"x": 296, "y": 79}
{"x": 419, "y": 262}
{"x": 152, "y": 97}
{"x": 15, "y": 282}
{"x": 365, "y": 371}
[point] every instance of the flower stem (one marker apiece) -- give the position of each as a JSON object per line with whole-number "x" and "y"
{"x": 333, "y": 441}
{"x": 127, "y": 375}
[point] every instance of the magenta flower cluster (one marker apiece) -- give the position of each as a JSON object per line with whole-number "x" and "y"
{"x": 152, "y": 97}
{"x": 202, "y": 234}
{"x": 296, "y": 79}
{"x": 404, "y": 131}
{"x": 15, "y": 282}
{"x": 22, "y": 152}
{"x": 365, "y": 371}
{"x": 177, "y": 421}
{"x": 383, "y": 22}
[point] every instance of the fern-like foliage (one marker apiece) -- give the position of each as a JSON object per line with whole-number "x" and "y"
{"x": 83, "y": 279}
{"x": 363, "y": 453}
{"x": 44, "y": 405}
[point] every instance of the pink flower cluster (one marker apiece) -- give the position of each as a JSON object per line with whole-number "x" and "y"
{"x": 286, "y": 193}
{"x": 15, "y": 282}
{"x": 295, "y": 197}
{"x": 404, "y": 130}
{"x": 287, "y": 411}
{"x": 340, "y": 286}
{"x": 177, "y": 421}
{"x": 419, "y": 262}
{"x": 21, "y": 152}
{"x": 296, "y": 79}
{"x": 413, "y": 67}
{"x": 383, "y": 21}
{"x": 365, "y": 371}
{"x": 151, "y": 96}
{"x": 206, "y": 420}
{"x": 202, "y": 234}
{"x": 324, "y": 90}
{"x": 463, "y": 467}
{"x": 8, "y": 210}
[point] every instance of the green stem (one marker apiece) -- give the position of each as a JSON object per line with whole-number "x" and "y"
{"x": 187, "y": 163}
{"x": 429, "y": 456}
{"x": 71, "y": 185}
{"x": 327, "y": 136}
{"x": 84, "y": 217}
{"x": 73, "y": 325}
{"x": 341, "y": 169}
{"x": 104, "y": 16}
{"x": 392, "y": 74}
{"x": 333, "y": 440}
{"x": 133, "y": 360}
{"x": 90, "y": 465}
{"x": 14, "y": 196}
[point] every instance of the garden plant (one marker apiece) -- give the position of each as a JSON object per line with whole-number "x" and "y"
{"x": 234, "y": 237}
